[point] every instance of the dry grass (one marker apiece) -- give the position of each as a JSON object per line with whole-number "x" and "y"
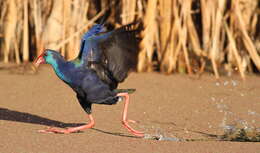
{"x": 191, "y": 36}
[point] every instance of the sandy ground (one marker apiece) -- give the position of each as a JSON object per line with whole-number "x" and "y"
{"x": 195, "y": 111}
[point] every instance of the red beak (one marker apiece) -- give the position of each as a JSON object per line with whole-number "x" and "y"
{"x": 39, "y": 60}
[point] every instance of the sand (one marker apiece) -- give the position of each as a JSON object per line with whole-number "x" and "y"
{"x": 195, "y": 111}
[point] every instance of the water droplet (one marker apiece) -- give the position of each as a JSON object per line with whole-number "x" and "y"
{"x": 168, "y": 139}
{"x": 234, "y": 83}
{"x": 225, "y": 83}
{"x": 229, "y": 128}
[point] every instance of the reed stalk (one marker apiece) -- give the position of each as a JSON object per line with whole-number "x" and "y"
{"x": 191, "y": 36}
{"x": 128, "y": 11}
{"x": 25, "y": 32}
{"x": 149, "y": 38}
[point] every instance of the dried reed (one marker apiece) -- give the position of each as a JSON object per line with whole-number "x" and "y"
{"x": 178, "y": 36}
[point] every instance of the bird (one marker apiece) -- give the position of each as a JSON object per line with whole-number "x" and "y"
{"x": 105, "y": 59}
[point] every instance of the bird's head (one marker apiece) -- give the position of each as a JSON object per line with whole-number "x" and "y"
{"x": 48, "y": 57}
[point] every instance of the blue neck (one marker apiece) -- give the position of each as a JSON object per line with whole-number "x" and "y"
{"x": 58, "y": 66}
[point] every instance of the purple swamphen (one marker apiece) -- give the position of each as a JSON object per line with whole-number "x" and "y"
{"x": 104, "y": 60}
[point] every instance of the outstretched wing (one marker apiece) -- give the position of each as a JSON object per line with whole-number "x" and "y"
{"x": 120, "y": 50}
{"x": 85, "y": 44}
{"x": 114, "y": 53}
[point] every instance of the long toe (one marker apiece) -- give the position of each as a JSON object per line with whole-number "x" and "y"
{"x": 44, "y": 131}
{"x": 55, "y": 130}
{"x": 133, "y": 131}
{"x": 132, "y": 121}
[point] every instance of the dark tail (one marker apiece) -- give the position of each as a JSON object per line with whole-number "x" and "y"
{"x": 114, "y": 100}
{"x": 129, "y": 91}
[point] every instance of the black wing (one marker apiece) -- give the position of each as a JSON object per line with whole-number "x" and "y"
{"x": 117, "y": 51}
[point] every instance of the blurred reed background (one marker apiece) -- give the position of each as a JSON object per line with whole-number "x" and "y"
{"x": 185, "y": 36}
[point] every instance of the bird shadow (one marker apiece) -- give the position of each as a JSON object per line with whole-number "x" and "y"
{"x": 115, "y": 133}
{"x": 16, "y": 116}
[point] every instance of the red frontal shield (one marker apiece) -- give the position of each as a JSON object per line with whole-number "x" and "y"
{"x": 39, "y": 60}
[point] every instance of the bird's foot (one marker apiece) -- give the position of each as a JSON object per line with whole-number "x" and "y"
{"x": 69, "y": 130}
{"x": 130, "y": 129}
{"x": 55, "y": 130}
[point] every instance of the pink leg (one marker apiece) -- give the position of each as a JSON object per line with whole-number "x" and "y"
{"x": 70, "y": 130}
{"x": 125, "y": 120}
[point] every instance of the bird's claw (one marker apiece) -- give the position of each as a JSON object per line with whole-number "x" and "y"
{"x": 132, "y": 121}
{"x": 130, "y": 129}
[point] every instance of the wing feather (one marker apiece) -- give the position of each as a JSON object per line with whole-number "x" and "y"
{"x": 113, "y": 54}
{"x": 120, "y": 50}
